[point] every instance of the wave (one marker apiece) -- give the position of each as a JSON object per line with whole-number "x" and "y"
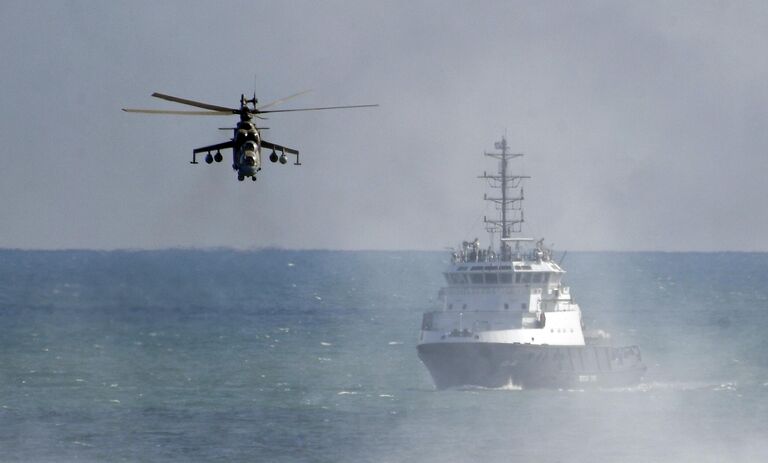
{"x": 510, "y": 386}
{"x": 677, "y": 386}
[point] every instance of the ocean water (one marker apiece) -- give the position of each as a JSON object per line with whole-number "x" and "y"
{"x": 299, "y": 356}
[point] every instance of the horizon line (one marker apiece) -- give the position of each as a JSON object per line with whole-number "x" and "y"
{"x": 289, "y": 249}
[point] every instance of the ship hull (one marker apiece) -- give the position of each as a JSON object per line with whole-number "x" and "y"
{"x": 496, "y": 365}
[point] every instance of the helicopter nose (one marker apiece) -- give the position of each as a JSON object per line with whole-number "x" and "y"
{"x": 248, "y": 170}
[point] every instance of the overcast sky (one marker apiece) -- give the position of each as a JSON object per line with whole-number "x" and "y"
{"x": 644, "y": 124}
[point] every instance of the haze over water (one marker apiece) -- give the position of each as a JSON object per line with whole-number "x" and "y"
{"x": 310, "y": 356}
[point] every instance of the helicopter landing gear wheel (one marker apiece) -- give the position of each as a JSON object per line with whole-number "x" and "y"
{"x": 253, "y": 178}
{"x": 240, "y": 177}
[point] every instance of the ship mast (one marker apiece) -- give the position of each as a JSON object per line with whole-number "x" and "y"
{"x": 510, "y": 202}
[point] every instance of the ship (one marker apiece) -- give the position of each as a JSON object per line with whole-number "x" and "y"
{"x": 507, "y": 319}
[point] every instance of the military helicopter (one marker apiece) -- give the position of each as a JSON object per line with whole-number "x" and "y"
{"x": 246, "y": 143}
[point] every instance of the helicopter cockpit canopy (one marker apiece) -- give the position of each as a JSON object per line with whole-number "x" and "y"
{"x": 249, "y": 146}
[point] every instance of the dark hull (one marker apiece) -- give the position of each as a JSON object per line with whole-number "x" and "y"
{"x": 494, "y": 365}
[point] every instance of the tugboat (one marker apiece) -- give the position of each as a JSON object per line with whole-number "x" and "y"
{"x": 507, "y": 320}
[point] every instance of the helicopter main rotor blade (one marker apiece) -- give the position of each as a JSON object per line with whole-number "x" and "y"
{"x": 178, "y": 113}
{"x": 272, "y": 103}
{"x": 318, "y": 109}
{"x": 196, "y": 104}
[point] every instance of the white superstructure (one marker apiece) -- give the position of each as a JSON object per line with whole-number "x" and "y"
{"x": 510, "y": 295}
{"x": 515, "y": 300}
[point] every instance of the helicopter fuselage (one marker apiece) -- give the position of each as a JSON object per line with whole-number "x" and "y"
{"x": 246, "y": 152}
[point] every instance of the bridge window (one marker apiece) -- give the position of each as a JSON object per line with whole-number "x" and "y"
{"x": 518, "y": 276}
{"x": 491, "y": 278}
{"x": 536, "y": 277}
{"x": 477, "y": 278}
{"x": 505, "y": 277}
{"x": 526, "y": 278}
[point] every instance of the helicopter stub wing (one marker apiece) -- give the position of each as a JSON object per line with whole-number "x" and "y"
{"x": 274, "y": 147}
{"x": 216, "y": 147}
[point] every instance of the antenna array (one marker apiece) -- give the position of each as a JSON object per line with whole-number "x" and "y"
{"x": 509, "y": 203}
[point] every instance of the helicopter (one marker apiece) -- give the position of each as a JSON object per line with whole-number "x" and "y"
{"x": 246, "y": 142}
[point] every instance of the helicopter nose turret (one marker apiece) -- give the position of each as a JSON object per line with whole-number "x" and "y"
{"x": 249, "y": 159}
